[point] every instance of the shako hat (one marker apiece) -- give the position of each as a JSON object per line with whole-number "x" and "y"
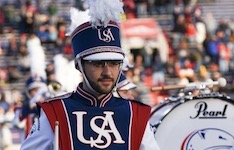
{"x": 95, "y": 32}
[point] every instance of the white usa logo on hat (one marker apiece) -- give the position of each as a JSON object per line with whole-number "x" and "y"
{"x": 106, "y": 35}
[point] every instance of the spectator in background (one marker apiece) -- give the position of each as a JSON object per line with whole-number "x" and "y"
{"x": 211, "y": 23}
{"x": 52, "y": 10}
{"x": 231, "y": 23}
{"x": 58, "y": 49}
{"x": 23, "y": 39}
{"x": 190, "y": 32}
{"x": 141, "y": 8}
{"x": 231, "y": 47}
{"x": 3, "y": 103}
{"x": 67, "y": 48}
{"x": 224, "y": 57}
{"x": 182, "y": 52}
{"x": 2, "y": 19}
{"x": 152, "y": 10}
{"x": 178, "y": 10}
{"x": 62, "y": 31}
{"x": 23, "y": 60}
{"x": 60, "y": 22}
{"x": 224, "y": 27}
{"x": 179, "y": 29}
{"x": 221, "y": 37}
{"x": 161, "y": 6}
{"x": 53, "y": 34}
{"x": 43, "y": 33}
{"x": 13, "y": 47}
{"x": 201, "y": 32}
{"x": 211, "y": 50}
{"x": 50, "y": 72}
{"x": 27, "y": 17}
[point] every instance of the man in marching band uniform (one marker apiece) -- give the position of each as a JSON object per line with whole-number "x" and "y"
{"x": 91, "y": 117}
{"x": 25, "y": 115}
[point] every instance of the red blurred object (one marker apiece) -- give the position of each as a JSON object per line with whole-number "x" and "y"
{"x": 145, "y": 28}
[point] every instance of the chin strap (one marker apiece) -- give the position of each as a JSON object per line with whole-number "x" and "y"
{"x": 80, "y": 67}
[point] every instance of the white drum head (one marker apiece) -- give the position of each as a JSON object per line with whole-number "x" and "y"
{"x": 199, "y": 124}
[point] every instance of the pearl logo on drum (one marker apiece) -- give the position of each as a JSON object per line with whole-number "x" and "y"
{"x": 203, "y": 112}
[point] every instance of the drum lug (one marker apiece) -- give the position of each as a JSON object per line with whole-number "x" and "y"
{"x": 173, "y": 99}
{"x": 155, "y": 126}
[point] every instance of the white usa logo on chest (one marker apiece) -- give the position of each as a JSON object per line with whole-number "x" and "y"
{"x": 107, "y": 128}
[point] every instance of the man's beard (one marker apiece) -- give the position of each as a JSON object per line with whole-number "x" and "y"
{"x": 99, "y": 88}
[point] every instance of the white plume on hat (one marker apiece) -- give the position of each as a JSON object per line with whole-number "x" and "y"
{"x": 103, "y": 11}
{"x": 99, "y": 13}
{"x": 77, "y": 18}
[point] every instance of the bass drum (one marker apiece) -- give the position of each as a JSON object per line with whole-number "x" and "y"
{"x": 204, "y": 122}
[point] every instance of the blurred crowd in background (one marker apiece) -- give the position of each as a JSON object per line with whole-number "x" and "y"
{"x": 33, "y": 41}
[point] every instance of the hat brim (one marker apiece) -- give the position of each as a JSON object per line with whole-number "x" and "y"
{"x": 36, "y": 85}
{"x": 105, "y": 56}
{"x": 128, "y": 86}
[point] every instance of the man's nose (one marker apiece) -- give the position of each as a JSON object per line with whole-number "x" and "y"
{"x": 106, "y": 70}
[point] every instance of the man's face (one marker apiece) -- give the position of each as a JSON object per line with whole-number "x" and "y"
{"x": 102, "y": 75}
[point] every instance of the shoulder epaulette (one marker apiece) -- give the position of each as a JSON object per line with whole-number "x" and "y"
{"x": 58, "y": 97}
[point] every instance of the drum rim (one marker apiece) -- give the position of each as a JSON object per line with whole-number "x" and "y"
{"x": 166, "y": 102}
